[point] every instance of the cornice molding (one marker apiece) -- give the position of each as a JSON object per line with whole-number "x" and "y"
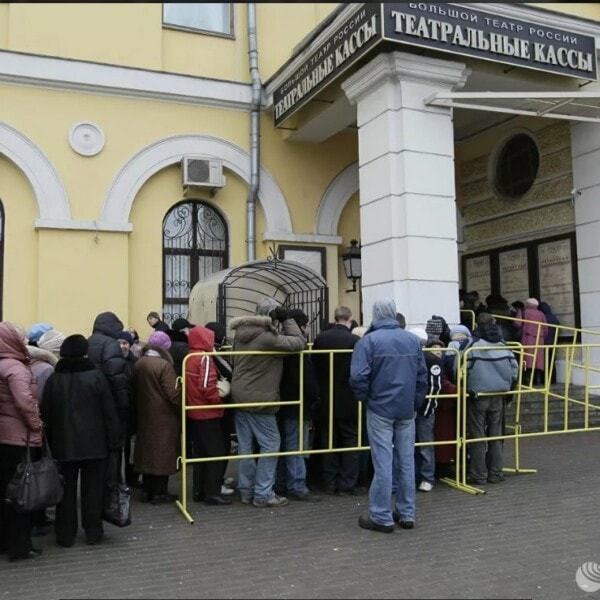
{"x": 401, "y": 66}
{"x": 95, "y": 78}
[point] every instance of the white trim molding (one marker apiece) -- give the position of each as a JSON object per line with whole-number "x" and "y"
{"x": 50, "y": 193}
{"x": 168, "y": 151}
{"x": 335, "y": 198}
{"x": 95, "y": 78}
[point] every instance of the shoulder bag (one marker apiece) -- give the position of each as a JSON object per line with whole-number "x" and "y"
{"x": 36, "y": 484}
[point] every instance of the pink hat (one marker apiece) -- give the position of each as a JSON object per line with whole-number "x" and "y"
{"x": 160, "y": 339}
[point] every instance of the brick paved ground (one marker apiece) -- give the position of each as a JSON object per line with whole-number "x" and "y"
{"x": 524, "y": 539}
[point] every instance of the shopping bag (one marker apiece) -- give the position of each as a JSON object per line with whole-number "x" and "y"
{"x": 116, "y": 504}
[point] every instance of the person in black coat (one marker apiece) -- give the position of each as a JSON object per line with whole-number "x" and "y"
{"x": 179, "y": 343}
{"x": 340, "y": 470}
{"x": 498, "y": 306}
{"x": 82, "y": 427}
{"x": 126, "y": 341}
{"x": 291, "y": 470}
{"x": 105, "y": 352}
{"x": 156, "y": 322}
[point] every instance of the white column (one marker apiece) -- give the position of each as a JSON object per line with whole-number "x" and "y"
{"x": 407, "y": 191}
{"x": 585, "y": 150}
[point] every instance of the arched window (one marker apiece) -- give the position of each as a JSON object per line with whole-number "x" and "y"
{"x": 195, "y": 245}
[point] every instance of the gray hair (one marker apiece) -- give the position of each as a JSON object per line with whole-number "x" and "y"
{"x": 384, "y": 309}
{"x": 266, "y": 305}
{"x": 342, "y": 313}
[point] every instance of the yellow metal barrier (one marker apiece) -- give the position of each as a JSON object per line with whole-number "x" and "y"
{"x": 523, "y": 391}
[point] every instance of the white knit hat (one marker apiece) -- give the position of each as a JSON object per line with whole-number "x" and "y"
{"x": 51, "y": 340}
{"x": 420, "y": 333}
{"x": 532, "y": 301}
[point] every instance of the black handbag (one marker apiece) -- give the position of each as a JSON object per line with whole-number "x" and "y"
{"x": 36, "y": 484}
{"x": 116, "y": 505}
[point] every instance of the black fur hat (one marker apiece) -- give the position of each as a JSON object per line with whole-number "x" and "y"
{"x": 74, "y": 346}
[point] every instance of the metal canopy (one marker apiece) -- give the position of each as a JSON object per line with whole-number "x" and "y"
{"x": 573, "y": 106}
{"x": 292, "y": 283}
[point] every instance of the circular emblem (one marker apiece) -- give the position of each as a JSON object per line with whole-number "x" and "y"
{"x": 86, "y": 138}
{"x": 435, "y": 370}
{"x": 588, "y": 577}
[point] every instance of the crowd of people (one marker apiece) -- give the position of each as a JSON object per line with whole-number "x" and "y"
{"x": 113, "y": 395}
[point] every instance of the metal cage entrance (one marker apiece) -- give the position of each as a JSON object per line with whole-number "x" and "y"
{"x": 236, "y": 292}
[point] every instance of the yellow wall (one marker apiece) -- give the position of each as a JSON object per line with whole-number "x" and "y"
{"x": 20, "y": 281}
{"x": 82, "y": 274}
{"x": 588, "y": 10}
{"x": 131, "y": 34}
{"x": 121, "y": 33}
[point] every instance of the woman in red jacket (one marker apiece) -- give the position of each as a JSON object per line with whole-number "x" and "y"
{"x": 19, "y": 415}
{"x": 205, "y": 426}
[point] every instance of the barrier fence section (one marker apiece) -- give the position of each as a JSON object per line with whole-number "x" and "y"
{"x": 524, "y": 390}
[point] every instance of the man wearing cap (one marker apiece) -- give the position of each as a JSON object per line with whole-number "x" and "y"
{"x": 256, "y": 379}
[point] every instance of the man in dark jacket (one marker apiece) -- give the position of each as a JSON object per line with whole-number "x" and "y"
{"x": 291, "y": 470}
{"x": 389, "y": 375}
{"x": 105, "y": 352}
{"x": 340, "y": 469}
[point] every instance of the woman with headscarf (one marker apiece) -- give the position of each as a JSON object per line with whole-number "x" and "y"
{"x": 533, "y": 336}
{"x": 157, "y": 400}
{"x": 19, "y": 418}
{"x": 44, "y": 357}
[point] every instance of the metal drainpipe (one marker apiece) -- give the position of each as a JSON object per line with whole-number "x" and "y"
{"x": 254, "y": 135}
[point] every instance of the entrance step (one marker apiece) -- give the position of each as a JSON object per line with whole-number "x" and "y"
{"x": 532, "y": 410}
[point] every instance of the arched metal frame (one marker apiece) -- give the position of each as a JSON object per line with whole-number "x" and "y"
{"x": 195, "y": 245}
{"x": 289, "y": 282}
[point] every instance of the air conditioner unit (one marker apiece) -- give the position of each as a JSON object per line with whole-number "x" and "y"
{"x": 202, "y": 172}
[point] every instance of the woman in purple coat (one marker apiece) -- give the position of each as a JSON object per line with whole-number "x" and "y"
{"x": 533, "y": 334}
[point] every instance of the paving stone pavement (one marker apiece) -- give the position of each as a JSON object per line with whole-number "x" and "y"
{"x": 525, "y": 538}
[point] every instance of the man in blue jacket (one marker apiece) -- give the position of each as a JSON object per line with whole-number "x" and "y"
{"x": 388, "y": 373}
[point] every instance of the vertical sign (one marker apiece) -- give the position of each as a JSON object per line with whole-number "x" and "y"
{"x": 514, "y": 275}
{"x": 556, "y": 279}
{"x": 478, "y": 275}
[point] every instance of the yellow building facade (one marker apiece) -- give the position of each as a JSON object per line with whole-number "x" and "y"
{"x": 96, "y": 120}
